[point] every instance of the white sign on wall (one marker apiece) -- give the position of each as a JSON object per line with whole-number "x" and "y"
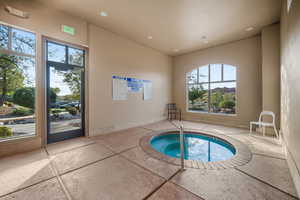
{"x": 121, "y": 86}
{"x": 120, "y": 89}
{"x": 147, "y": 90}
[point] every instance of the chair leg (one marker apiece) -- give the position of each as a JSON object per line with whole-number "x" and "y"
{"x": 264, "y": 130}
{"x": 250, "y": 129}
{"x": 276, "y": 132}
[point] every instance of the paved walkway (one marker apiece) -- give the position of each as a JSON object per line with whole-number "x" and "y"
{"x": 28, "y": 129}
{"x": 114, "y": 166}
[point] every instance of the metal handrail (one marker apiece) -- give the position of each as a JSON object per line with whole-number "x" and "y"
{"x": 181, "y": 135}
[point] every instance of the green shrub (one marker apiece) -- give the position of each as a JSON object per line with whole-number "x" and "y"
{"x": 227, "y": 104}
{"x": 195, "y": 93}
{"x": 5, "y": 132}
{"x": 9, "y": 98}
{"x": 53, "y": 94}
{"x": 22, "y": 111}
{"x": 72, "y": 110}
{"x": 24, "y": 97}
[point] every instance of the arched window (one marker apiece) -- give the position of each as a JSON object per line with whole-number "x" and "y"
{"x": 212, "y": 88}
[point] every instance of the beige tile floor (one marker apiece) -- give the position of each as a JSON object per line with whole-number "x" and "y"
{"x": 113, "y": 166}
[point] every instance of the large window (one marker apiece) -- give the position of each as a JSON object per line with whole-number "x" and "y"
{"x": 212, "y": 88}
{"x": 17, "y": 82}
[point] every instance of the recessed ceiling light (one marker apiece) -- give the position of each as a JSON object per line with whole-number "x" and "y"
{"x": 149, "y": 37}
{"x": 103, "y": 14}
{"x": 249, "y": 28}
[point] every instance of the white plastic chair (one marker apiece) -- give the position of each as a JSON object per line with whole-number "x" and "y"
{"x": 263, "y": 125}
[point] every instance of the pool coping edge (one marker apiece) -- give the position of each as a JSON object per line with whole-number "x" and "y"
{"x": 242, "y": 156}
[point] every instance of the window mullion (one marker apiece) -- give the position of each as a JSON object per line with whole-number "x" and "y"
{"x": 198, "y": 75}
{"x": 9, "y": 38}
{"x": 223, "y": 81}
{"x": 222, "y": 72}
{"x": 10, "y": 52}
{"x": 67, "y": 55}
{"x": 209, "y": 92}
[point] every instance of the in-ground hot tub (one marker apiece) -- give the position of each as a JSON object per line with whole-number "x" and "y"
{"x": 202, "y": 150}
{"x": 197, "y": 147}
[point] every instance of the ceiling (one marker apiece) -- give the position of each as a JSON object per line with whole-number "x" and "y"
{"x": 176, "y": 26}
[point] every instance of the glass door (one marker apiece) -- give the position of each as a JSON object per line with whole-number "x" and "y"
{"x": 65, "y": 91}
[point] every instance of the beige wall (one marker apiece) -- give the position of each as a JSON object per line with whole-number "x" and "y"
{"x": 246, "y": 55}
{"x": 290, "y": 90}
{"x": 270, "y": 37}
{"x": 111, "y": 55}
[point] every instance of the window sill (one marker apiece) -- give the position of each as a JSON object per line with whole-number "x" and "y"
{"x": 17, "y": 139}
{"x": 209, "y": 113}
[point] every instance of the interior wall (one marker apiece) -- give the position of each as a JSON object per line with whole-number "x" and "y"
{"x": 271, "y": 70}
{"x": 43, "y": 21}
{"x": 246, "y": 56}
{"x": 290, "y": 91}
{"x": 111, "y": 55}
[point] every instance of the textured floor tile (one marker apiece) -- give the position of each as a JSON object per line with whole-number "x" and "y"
{"x": 215, "y": 128}
{"x": 190, "y": 125}
{"x": 121, "y": 140}
{"x": 161, "y": 168}
{"x": 262, "y": 145}
{"x": 160, "y": 125}
{"x": 67, "y": 145}
{"x": 271, "y": 170}
{"x": 112, "y": 178}
{"x": 48, "y": 190}
{"x": 227, "y": 184}
{"x": 79, "y": 157}
{"x": 170, "y": 191}
{"x": 22, "y": 170}
{"x": 212, "y": 127}
{"x": 225, "y": 130}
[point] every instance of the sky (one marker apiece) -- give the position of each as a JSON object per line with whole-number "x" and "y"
{"x": 56, "y": 81}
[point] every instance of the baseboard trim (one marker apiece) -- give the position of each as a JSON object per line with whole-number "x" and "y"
{"x": 295, "y": 172}
{"x": 234, "y": 125}
{"x": 107, "y": 130}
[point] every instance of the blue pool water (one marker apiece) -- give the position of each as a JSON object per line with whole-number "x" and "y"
{"x": 197, "y": 147}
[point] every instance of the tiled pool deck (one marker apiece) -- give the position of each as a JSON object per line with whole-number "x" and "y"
{"x": 114, "y": 166}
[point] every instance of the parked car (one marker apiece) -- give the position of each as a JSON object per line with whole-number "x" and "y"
{"x": 59, "y": 104}
{"x": 71, "y": 104}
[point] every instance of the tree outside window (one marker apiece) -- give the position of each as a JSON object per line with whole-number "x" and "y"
{"x": 17, "y": 82}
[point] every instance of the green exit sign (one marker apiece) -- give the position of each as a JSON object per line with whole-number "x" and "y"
{"x": 68, "y": 29}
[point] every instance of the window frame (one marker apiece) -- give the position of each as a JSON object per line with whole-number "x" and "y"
{"x": 9, "y": 51}
{"x": 209, "y": 88}
{"x": 67, "y": 47}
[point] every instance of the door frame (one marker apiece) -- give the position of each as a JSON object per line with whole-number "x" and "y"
{"x": 64, "y": 135}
